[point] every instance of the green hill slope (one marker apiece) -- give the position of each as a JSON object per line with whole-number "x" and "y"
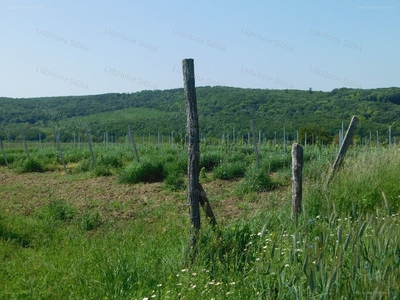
{"x": 220, "y": 110}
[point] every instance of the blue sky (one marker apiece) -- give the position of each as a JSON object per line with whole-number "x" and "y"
{"x": 58, "y": 48}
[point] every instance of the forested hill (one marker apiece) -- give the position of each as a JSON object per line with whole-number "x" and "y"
{"x": 220, "y": 110}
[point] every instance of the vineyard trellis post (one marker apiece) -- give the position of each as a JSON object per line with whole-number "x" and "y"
{"x": 343, "y": 148}
{"x": 25, "y": 145}
{"x": 60, "y": 151}
{"x": 297, "y": 180}
{"x": 255, "y": 143}
{"x": 192, "y": 132}
{"x": 4, "y": 153}
{"x": 90, "y": 147}
{"x": 130, "y": 135}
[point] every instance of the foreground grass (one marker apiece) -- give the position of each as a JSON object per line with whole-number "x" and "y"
{"x": 339, "y": 248}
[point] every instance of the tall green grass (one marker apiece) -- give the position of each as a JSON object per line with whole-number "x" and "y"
{"x": 346, "y": 244}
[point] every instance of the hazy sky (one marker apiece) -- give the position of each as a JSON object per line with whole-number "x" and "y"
{"x": 57, "y": 48}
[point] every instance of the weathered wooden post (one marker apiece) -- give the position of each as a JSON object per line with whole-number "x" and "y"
{"x": 4, "y": 153}
{"x": 60, "y": 151}
{"x": 90, "y": 147}
{"x": 343, "y": 148}
{"x": 25, "y": 145}
{"x": 284, "y": 139}
{"x": 130, "y": 135}
{"x": 297, "y": 179}
{"x": 255, "y": 143}
{"x": 192, "y": 132}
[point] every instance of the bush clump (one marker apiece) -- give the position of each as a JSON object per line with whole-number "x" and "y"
{"x": 144, "y": 171}
{"x": 90, "y": 220}
{"x": 31, "y": 165}
{"x": 174, "y": 177}
{"x": 210, "y": 160}
{"x": 255, "y": 180}
{"x": 231, "y": 170}
{"x": 60, "y": 210}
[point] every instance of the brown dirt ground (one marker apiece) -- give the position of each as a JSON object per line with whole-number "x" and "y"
{"x": 27, "y": 193}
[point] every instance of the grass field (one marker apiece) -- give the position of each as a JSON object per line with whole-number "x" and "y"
{"x": 115, "y": 232}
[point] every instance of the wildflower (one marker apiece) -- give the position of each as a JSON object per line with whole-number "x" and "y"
{"x": 153, "y": 296}
{"x": 228, "y": 293}
{"x": 184, "y": 270}
{"x": 194, "y": 274}
{"x": 233, "y": 283}
{"x": 159, "y": 284}
{"x": 287, "y": 265}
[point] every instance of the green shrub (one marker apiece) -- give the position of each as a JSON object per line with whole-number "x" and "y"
{"x": 84, "y": 165}
{"x": 90, "y": 220}
{"x": 144, "y": 171}
{"x": 209, "y": 160}
{"x": 60, "y": 210}
{"x": 255, "y": 180}
{"x": 76, "y": 155}
{"x": 230, "y": 170}
{"x": 174, "y": 177}
{"x": 10, "y": 159}
{"x": 277, "y": 161}
{"x": 110, "y": 160}
{"x": 101, "y": 170}
{"x": 31, "y": 165}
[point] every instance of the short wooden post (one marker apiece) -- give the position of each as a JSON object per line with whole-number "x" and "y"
{"x": 192, "y": 133}
{"x": 90, "y": 147}
{"x": 255, "y": 143}
{"x": 60, "y": 151}
{"x": 297, "y": 179}
{"x": 25, "y": 145}
{"x": 343, "y": 148}
{"x": 130, "y": 135}
{"x": 4, "y": 153}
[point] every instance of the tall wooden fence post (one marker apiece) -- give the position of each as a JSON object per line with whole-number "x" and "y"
{"x": 343, "y": 148}
{"x": 90, "y": 147}
{"x": 192, "y": 132}
{"x": 4, "y": 153}
{"x": 57, "y": 135}
{"x": 255, "y": 143}
{"x": 297, "y": 179}
{"x": 25, "y": 145}
{"x": 130, "y": 135}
